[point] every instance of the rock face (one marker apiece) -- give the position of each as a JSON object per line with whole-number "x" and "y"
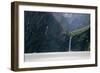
{"x": 45, "y": 32}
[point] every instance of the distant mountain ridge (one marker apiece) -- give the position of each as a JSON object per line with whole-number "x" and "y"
{"x": 72, "y": 21}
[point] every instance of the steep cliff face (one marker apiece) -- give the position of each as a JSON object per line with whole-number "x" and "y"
{"x": 48, "y": 32}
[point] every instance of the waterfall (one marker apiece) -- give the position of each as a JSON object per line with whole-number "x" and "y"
{"x": 70, "y": 43}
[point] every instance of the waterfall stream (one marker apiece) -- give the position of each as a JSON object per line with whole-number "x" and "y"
{"x": 70, "y": 43}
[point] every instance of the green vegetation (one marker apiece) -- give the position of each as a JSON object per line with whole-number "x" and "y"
{"x": 76, "y": 32}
